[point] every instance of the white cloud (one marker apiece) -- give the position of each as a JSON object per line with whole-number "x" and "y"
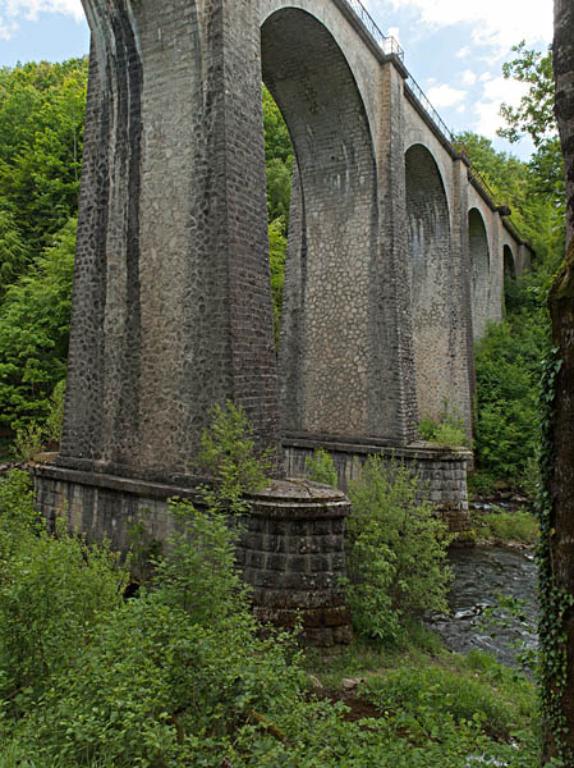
{"x": 495, "y": 23}
{"x": 487, "y": 110}
{"x": 445, "y": 95}
{"x": 468, "y": 77}
{"x": 463, "y": 52}
{"x": 485, "y": 77}
{"x": 13, "y": 11}
{"x": 394, "y": 32}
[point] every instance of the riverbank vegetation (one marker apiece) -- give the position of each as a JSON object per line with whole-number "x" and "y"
{"x": 179, "y": 674}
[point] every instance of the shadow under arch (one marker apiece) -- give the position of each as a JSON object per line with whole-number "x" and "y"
{"x": 326, "y": 360}
{"x": 509, "y": 263}
{"x": 509, "y": 274}
{"x": 480, "y": 272}
{"x": 433, "y": 284}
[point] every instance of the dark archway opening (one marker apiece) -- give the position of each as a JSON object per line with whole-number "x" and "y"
{"x": 333, "y": 234}
{"x": 480, "y": 272}
{"x": 509, "y": 276}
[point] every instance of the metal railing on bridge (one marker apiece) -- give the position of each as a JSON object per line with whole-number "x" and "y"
{"x": 390, "y": 46}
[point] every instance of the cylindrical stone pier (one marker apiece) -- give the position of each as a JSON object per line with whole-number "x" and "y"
{"x": 293, "y": 556}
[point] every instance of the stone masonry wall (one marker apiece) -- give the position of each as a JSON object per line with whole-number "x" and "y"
{"x": 291, "y": 551}
{"x": 442, "y": 472}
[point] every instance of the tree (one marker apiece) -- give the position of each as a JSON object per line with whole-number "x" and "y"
{"x": 534, "y": 117}
{"x": 42, "y": 111}
{"x": 34, "y": 329}
{"x": 557, "y": 499}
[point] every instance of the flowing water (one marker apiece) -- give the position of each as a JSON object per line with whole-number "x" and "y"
{"x": 493, "y": 603}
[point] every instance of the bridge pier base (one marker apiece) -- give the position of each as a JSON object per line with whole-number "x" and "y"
{"x": 291, "y": 551}
{"x": 442, "y": 471}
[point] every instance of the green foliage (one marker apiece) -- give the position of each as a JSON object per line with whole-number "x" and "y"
{"x": 53, "y": 591}
{"x": 34, "y": 330}
{"x": 198, "y": 570}
{"x": 448, "y": 432}
{"x": 278, "y": 156}
{"x": 55, "y": 420}
{"x": 320, "y": 468}
{"x": 535, "y": 113}
{"x": 534, "y": 116}
{"x": 181, "y": 677}
{"x": 502, "y": 526}
{"x": 507, "y": 365}
{"x": 556, "y": 603}
{"x": 425, "y": 697}
{"x": 396, "y": 553}
{"x": 279, "y": 170}
{"x": 14, "y": 255}
{"x": 228, "y": 453}
{"x": 42, "y": 110}
{"x": 277, "y": 257}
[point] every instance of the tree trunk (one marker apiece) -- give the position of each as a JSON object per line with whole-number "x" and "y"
{"x": 557, "y": 566}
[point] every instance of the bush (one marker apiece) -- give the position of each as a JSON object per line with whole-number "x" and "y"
{"x": 507, "y": 367}
{"x": 426, "y": 697}
{"x": 504, "y": 526}
{"x": 180, "y": 677}
{"x": 448, "y": 432}
{"x": 320, "y": 468}
{"x": 172, "y": 677}
{"x": 396, "y": 553}
{"x": 53, "y": 591}
{"x": 228, "y": 453}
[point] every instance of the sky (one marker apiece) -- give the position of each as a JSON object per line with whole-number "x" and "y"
{"x": 454, "y": 48}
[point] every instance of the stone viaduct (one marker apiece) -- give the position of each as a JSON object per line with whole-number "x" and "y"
{"x": 397, "y": 255}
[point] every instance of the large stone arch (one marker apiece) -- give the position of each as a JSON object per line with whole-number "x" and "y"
{"x": 433, "y": 285}
{"x": 362, "y": 60}
{"x": 480, "y": 272}
{"x": 326, "y": 349}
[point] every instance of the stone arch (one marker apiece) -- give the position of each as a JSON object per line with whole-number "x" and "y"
{"x": 433, "y": 282}
{"x": 480, "y": 271}
{"x": 326, "y": 353}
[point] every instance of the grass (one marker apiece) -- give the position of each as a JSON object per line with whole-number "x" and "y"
{"x": 427, "y": 696}
{"x": 503, "y": 527}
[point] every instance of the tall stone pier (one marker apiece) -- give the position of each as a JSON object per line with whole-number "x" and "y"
{"x": 172, "y": 304}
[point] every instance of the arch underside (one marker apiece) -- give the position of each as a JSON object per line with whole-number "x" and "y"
{"x": 438, "y": 334}
{"x": 480, "y": 272}
{"x": 327, "y": 355}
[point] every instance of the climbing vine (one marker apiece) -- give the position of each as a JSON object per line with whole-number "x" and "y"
{"x": 554, "y": 601}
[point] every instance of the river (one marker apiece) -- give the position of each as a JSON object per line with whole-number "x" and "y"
{"x": 493, "y": 603}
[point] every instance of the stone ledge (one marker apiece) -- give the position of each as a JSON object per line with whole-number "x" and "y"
{"x": 368, "y": 446}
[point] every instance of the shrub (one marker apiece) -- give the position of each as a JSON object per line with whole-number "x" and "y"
{"x": 397, "y": 552}
{"x": 198, "y": 571}
{"x": 507, "y": 368}
{"x": 320, "y": 468}
{"x": 427, "y": 696}
{"x": 174, "y": 676}
{"x": 228, "y": 453}
{"x": 518, "y": 526}
{"x": 53, "y": 591}
{"x": 448, "y": 432}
